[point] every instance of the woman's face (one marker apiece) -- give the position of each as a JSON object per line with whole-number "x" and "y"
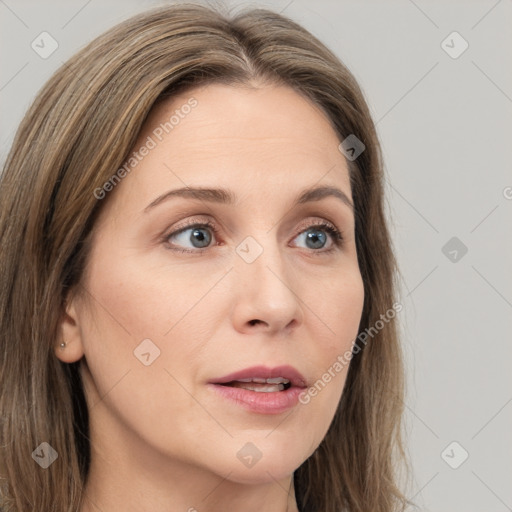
{"x": 168, "y": 309}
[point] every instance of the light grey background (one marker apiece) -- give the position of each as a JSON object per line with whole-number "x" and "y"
{"x": 446, "y": 129}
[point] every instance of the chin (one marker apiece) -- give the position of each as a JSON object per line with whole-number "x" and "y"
{"x": 260, "y": 462}
{"x": 261, "y": 473}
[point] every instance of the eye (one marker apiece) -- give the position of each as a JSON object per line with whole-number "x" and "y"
{"x": 200, "y": 236}
{"x": 315, "y": 237}
{"x": 197, "y": 234}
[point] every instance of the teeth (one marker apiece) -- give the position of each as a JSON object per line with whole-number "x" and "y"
{"x": 260, "y": 388}
{"x": 276, "y": 380}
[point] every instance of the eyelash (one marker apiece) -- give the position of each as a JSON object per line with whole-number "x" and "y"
{"x": 335, "y": 233}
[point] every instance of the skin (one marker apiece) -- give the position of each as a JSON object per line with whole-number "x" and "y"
{"x": 161, "y": 440}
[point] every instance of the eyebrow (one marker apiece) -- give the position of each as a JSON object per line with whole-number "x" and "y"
{"x": 225, "y": 196}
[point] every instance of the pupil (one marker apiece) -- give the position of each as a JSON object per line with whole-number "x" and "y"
{"x": 199, "y": 233}
{"x": 314, "y": 236}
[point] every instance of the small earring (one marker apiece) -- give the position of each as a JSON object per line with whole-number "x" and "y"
{"x": 63, "y": 345}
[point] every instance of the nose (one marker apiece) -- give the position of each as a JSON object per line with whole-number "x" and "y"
{"x": 264, "y": 289}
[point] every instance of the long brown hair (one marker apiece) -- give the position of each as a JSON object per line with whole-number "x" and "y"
{"x": 78, "y": 132}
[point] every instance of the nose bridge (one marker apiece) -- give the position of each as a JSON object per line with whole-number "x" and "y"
{"x": 264, "y": 290}
{"x": 257, "y": 257}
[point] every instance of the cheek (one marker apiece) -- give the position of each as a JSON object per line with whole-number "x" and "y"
{"x": 350, "y": 299}
{"x": 136, "y": 299}
{"x": 340, "y": 310}
{"x": 142, "y": 334}
{"x": 351, "y": 303}
{"x": 141, "y": 354}
{"x": 339, "y": 314}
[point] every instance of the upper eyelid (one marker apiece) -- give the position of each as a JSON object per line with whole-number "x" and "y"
{"x": 214, "y": 225}
{"x": 333, "y": 213}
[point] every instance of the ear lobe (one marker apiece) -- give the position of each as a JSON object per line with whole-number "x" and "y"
{"x": 70, "y": 334}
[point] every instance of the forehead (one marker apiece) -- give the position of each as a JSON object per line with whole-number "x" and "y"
{"x": 243, "y": 125}
{"x": 264, "y": 142}
{"x": 270, "y": 108}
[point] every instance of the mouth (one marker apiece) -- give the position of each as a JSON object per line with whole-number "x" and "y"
{"x": 261, "y": 389}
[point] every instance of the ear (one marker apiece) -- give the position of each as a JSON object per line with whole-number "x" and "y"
{"x": 70, "y": 334}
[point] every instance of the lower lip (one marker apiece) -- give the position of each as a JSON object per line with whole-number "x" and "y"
{"x": 264, "y": 403}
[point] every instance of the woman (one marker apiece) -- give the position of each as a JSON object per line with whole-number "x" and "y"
{"x": 194, "y": 251}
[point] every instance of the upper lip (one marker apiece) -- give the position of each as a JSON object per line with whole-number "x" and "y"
{"x": 264, "y": 372}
